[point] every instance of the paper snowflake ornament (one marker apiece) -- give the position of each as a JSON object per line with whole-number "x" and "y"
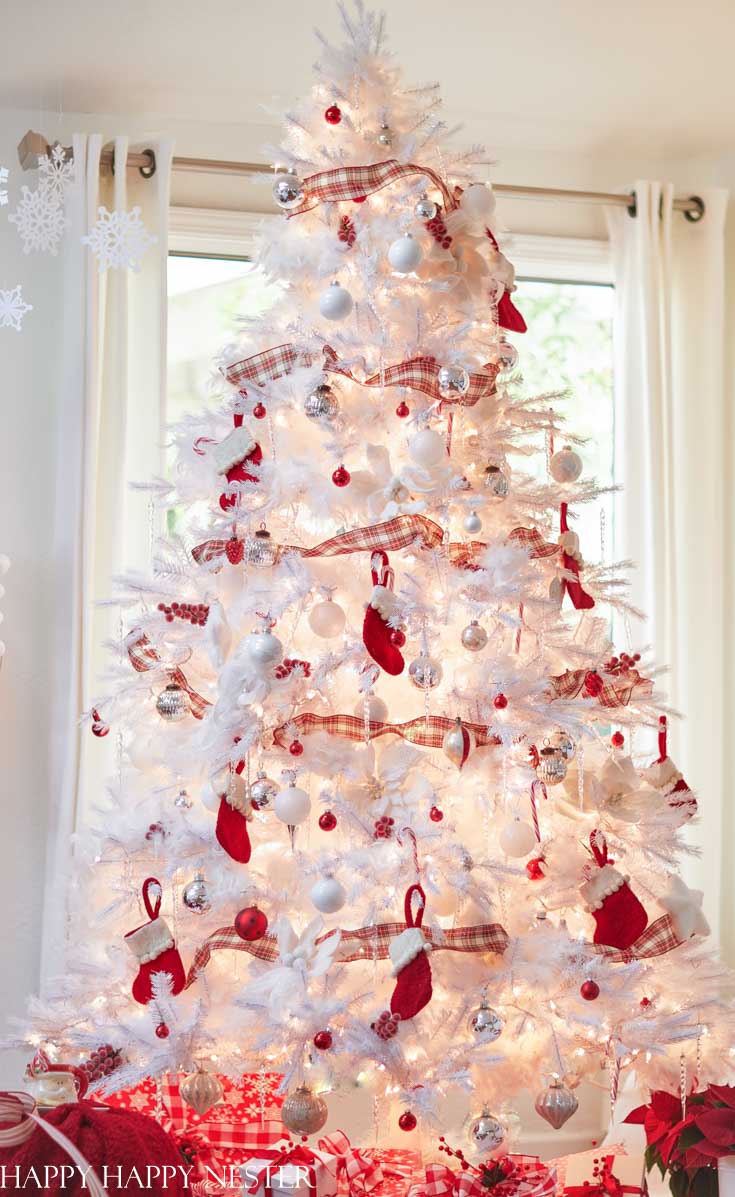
{"x": 119, "y": 240}
{"x": 40, "y": 221}
{"x": 13, "y": 308}
{"x": 3, "y": 188}
{"x": 55, "y": 174}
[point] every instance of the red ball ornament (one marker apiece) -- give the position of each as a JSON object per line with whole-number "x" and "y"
{"x": 259, "y": 411}
{"x": 534, "y": 872}
{"x": 403, "y": 410}
{"x": 500, "y": 702}
{"x": 162, "y": 1031}
{"x": 333, "y": 115}
{"x": 397, "y": 638}
{"x": 328, "y": 820}
{"x": 593, "y": 684}
{"x": 407, "y": 1121}
{"x": 617, "y": 739}
{"x": 251, "y": 923}
{"x": 296, "y": 748}
{"x": 436, "y": 814}
{"x": 323, "y": 1040}
{"x": 589, "y": 990}
{"x": 341, "y": 476}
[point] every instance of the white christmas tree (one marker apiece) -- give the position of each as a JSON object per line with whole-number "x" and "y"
{"x": 377, "y": 786}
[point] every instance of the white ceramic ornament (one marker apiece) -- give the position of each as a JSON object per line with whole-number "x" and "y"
{"x": 263, "y": 649}
{"x": 327, "y": 619}
{"x": 292, "y": 805}
{"x": 377, "y": 710}
{"x": 328, "y": 895}
{"x": 565, "y": 466}
{"x": 335, "y": 303}
{"x": 517, "y": 838}
{"x": 478, "y": 202}
{"x": 405, "y": 254}
{"x": 427, "y": 448}
{"x": 472, "y": 523}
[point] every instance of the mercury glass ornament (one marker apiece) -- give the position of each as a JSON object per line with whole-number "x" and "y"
{"x": 322, "y": 404}
{"x": 173, "y": 703}
{"x": 260, "y": 549}
{"x": 507, "y": 356}
{"x": 201, "y": 1090}
{"x": 425, "y": 209}
{"x": 196, "y": 895}
{"x": 552, "y": 766}
{"x": 495, "y": 481}
{"x": 385, "y": 136}
{"x": 485, "y": 1024}
{"x": 564, "y": 744}
{"x": 262, "y": 791}
{"x": 453, "y": 381}
{"x": 474, "y": 637}
{"x": 556, "y": 1105}
{"x": 182, "y": 800}
{"x": 486, "y": 1132}
{"x": 287, "y": 190}
{"x": 304, "y": 1112}
{"x": 425, "y": 672}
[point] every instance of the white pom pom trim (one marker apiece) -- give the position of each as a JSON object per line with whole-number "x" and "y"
{"x": 149, "y": 941}
{"x": 604, "y": 883}
{"x": 406, "y": 947}
{"x": 232, "y": 450}
{"x": 385, "y": 602}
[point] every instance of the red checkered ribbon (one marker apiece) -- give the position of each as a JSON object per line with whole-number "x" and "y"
{"x": 426, "y": 732}
{"x": 366, "y": 943}
{"x": 344, "y": 183}
{"x": 617, "y": 691}
{"x": 276, "y": 1158}
{"x": 362, "y": 1171}
{"x": 266, "y": 366}
{"x": 143, "y": 657}
{"x": 657, "y": 939}
{"x": 533, "y": 542}
{"x": 441, "y": 1181}
{"x": 531, "y": 1178}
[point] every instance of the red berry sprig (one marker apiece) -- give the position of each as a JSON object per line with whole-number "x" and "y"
{"x": 287, "y": 666}
{"x": 102, "y": 1062}
{"x": 383, "y": 828}
{"x": 195, "y": 613}
{"x": 623, "y": 663}
{"x": 438, "y": 230}
{"x": 347, "y": 231}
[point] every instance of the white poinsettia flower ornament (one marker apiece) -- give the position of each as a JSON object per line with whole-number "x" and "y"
{"x": 301, "y": 958}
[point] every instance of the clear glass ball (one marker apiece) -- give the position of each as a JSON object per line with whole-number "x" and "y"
{"x": 453, "y": 381}
{"x": 327, "y": 619}
{"x": 474, "y": 637}
{"x": 425, "y": 672}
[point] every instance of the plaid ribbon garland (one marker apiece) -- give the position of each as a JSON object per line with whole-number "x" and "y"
{"x": 425, "y": 732}
{"x": 143, "y": 657}
{"x": 343, "y": 183}
{"x": 362, "y": 1171}
{"x": 657, "y": 939}
{"x": 266, "y": 366}
{"x": 533, "y": 542}
{"x": 531, "y": 1178}
{"x": 614, "y": 693}
{"x": 366, "y": 943}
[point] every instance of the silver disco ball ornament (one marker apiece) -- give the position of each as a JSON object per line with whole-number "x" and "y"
{"x": 322, "y": 404}
{"x": 495, "y": 481}
{"x": 552, "y": 767}
{"x": 196, "y": 895}
{"x": 262, "y": 791}
{"x": 485, "y": 1024}
{"x": 304, "y": 1112}
{"x": 474, "y": 637}
{"x": 287, "y": 190}
{"x": 453, "y": 381}
{"x": 425, "y": 672}
{"x": 556, "y": 1104}
{"x": 486, "y": 1132}
{"x": 259, "y": 549}
{"x": 425, "y": 209}
{"x": 564, "y": 744}
{"x": 507, "y": 356}
{"x": 173, "y": 703}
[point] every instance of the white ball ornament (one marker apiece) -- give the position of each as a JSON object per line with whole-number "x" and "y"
{"x": 377, "y": 709}
{"x": 336, "y": 302}
{"x": 472, "y": 523}
{"x": 263, "y": 649}
{"x": 427, "y": 448}
{"x": 405, "y": 254}
{"x": 327, "y": 619}
{"x": 292, "y": 805}
{"x": 328, "y": 895}
{"x": 478, "y": 202}
{"x": 565, "y": 465}
{"x": 517, "y": 838}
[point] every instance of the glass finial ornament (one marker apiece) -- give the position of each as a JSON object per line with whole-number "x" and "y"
{"x": 552, "y": 766}
{"x": 425, "y": 672}
{"x": 495, "y": 481}
{"x": 304, "y": 1112}
{"x": 453, "y": 381}
{"x": 336, "y": 302}
{"x": 287, "y": 190}
{"x": 196, "y": 895}
{"x": 486, "y": 1132}
{"x": 474, "y": 637}
{"x": 173, "y": 703}
{"x": 262, "y": 791}
{"x": 485, "y": 1024}
{"x": 425, "y": 208}
{"x": 556, "y": 1104}
{"x": 322, "y": 404}
{"x": 202, "y": 1091}
{"x": 385, "y": 135}
{"x": 259, "y": 549}
{"x": 563, "y": 743}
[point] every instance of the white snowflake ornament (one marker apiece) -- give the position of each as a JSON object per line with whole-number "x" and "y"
{"x": 13, "y": 308}
{"x": 119, "y": 240}
{"x": 55, "y": 174}
{"x": 3, "y": 188}
{"x": 40, "y": 221}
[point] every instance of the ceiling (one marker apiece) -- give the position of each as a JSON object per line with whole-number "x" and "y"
{"x": 653, "y": 76}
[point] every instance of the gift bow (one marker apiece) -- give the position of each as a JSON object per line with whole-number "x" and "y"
{"x": 441, "y": 1181}
{"x": 287, "y": 1155}
{"x": 604, "y": 1184}
{"x": 363, "y": 1172}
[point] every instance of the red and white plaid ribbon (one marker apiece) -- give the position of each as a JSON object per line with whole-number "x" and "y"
{"x": 658, "y": 938}
{"x": 362, "y": 1171}
{"x": 343, "y": 183}
{"x": 366, "y": 943}
{"x": 531, "y": 1178}
{"x": 266, "y": 366}
{"x": 533, "y": 542}
{"x": 441, "y": 1181}
{"x": 143, "y": 657}
{"x": 425, "y": 732}
{"x": 617, "y": 691}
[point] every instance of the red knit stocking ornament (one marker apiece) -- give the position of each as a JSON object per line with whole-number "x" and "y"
{"x": 376, "y": 631}
{"x": 233, "y": 816}
{"x": 571, "y": 560}
{"x": 409, "y": 953}
{"x": 619, "y": 916}
{"x": 154, "y": 948}
{"x": 232, "y": 456}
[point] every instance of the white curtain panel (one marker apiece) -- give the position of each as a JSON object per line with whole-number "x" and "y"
{"x": 111, "y": 432}
{"x": 671, "y": 443}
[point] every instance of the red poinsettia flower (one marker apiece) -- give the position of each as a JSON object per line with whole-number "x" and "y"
{"x": 718, "y": 1127}
{"x": 660, "y": 1118}
{"x": 723, "y": 1093}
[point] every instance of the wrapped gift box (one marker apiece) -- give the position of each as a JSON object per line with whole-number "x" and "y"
{"x": 299, "y": 1172}
{"x": 604, "y": 1174}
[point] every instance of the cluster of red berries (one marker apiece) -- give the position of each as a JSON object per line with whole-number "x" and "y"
{"x": 438, "y": 230}
{"x": 386, "y": 1025}
{"x": 347, "y": 231}
{"x": 622, "y": 663}
{"x": 195, "y": 613}
{"x": 383, "y": 828}
{"x": 287, "y": 666}
{"x": 154, "y": 830}
{"x": 102, "y": 1062}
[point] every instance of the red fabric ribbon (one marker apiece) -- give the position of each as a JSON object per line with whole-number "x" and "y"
{"x": 343, "y": 183}
{"x": 299, "y": 1156}
{"x": 361, "y": 1171}
{"x": 426, "y": 733}
{"x": 441, "y": 1181}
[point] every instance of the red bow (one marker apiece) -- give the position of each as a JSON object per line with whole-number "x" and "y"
{"x": 298, "y": 1155}
{"x": 363, "y": 1173}
{"x": 441, "y": 1181}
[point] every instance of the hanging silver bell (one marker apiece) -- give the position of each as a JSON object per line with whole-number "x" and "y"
{"x": 552, "y": 767}
{"x": 556, "y": 1104}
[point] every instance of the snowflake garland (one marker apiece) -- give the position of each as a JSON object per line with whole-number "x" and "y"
{"x": 119, "y": 240}
{"x": 40, "y": 221}
{"x": 13, "y": 308}
{"x": 55, "y": 173}
{"x": 3, "y": 189}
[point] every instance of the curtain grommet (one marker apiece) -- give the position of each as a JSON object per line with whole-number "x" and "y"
{"x": 147, "y": 172}
{"x": 632, "y": 207}
{"x": 696, "y": 210}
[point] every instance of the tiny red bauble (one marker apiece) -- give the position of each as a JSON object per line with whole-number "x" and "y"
{"x": 333, "y": 115}
{"x": 359, "y": 199}
{"x": 589, "y": 990}
{"x": 296, "y": 748}
{"x": 397, "y": 638}
{"x": 534, "y": 871}
{"x": 500, "y": 702}
{"x": 618, "y": 739}
{"x": 100, "y": 730}
{"x": 162, "y": 1031}
{"x": 436, "y": 814}
{"x": 323, "y": 1040}
{"x": 407, "y": 1121}
{"x": 328, "y": 820}
{"x": 251, "y": 923}
{"x": 259, "y": 411}
{"x": 341, "y": 476}
{"x": 645, "y": 1002}
{"x": 403, "y": 410}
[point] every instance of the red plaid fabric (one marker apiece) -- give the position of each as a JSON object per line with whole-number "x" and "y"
{"x": 361, "y": 1170}
{"x": 426, "y": 733}
{"x": 617, "y": 692}
{"x": 657, "y": 939}
{"x": 532, "y": 1178}
{"x": 143, "y": 657}
{"x": 399, "y": 533}
{"x": 266, "y": 366}
{"x": 533, "y": 542}
{"x": 366, "y": 943}
{"x": 344, "y": 183}
{"x": 420, "y": 374}
{"x": 441, "y": 1181}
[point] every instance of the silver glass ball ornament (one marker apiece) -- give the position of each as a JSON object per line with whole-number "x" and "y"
{"x": 183, "y": 801}
{"x": 385, "y": 135}
{"x": 552, "y": 767}
{"x": 474, "y": 637}
{"x": 304, "y": 1112}
{"x": 262, "y": 791}
{"x": 507, "y": 356}
{"x": 196, "y": 895}
{"x": 564, "y": 744}
{"x": 259, "y": 549}
{"x": 453, "y": 381}
{"x": 322, "y": 404}
{"x": 472, "y": 523}
{"x": 495, "y": 481}
{"x": 287, "y": 190}
{"x": 486, "y": 1132}
{"x": 425, "y": 209}
{"x": 425, "y": 672}
{"x": 556, "y": 1104}
{"x": 485, "y": 1024}
{"x": 173, "y": 703}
